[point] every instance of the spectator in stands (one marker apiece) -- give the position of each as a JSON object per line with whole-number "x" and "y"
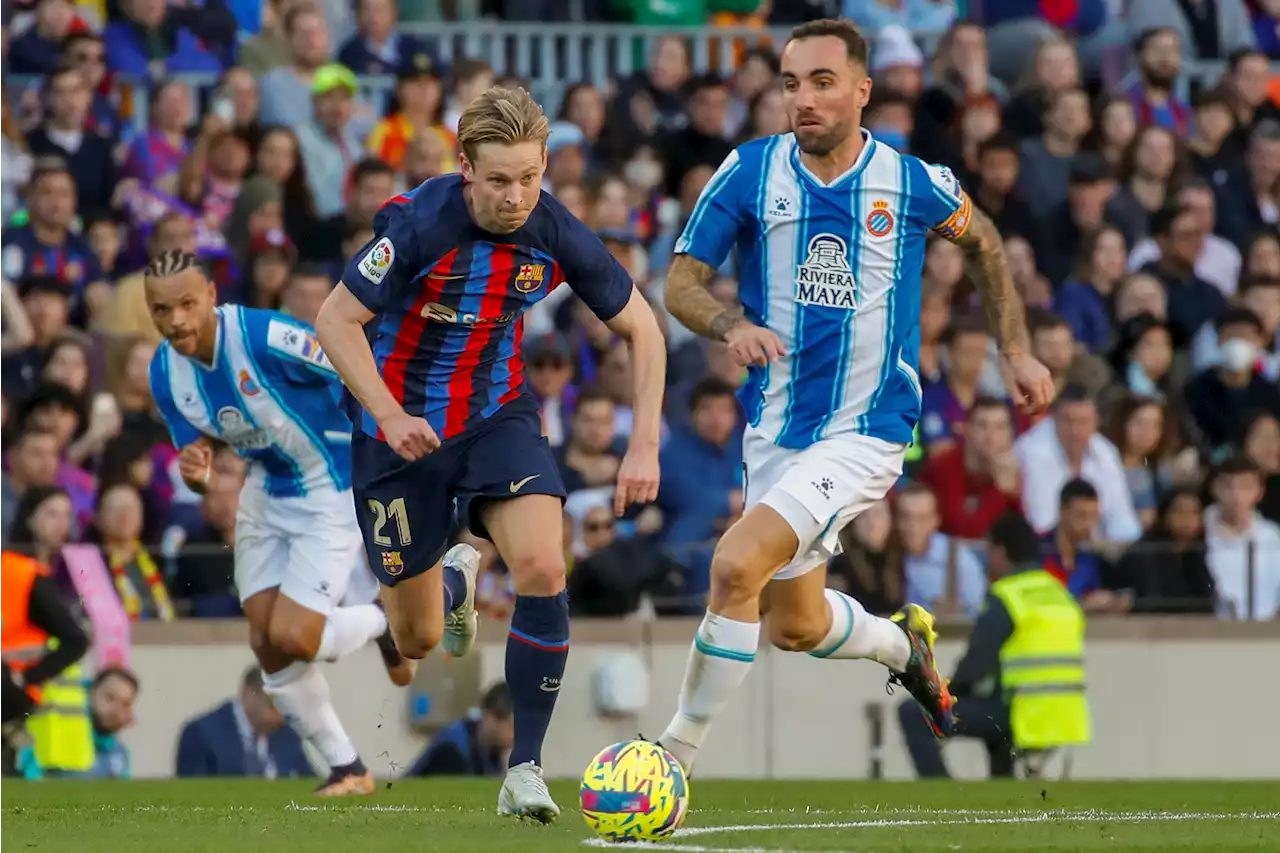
{"x": 592, "y": 455}
{"x": 273, "y": 255}
{"x": 106, "y": 232}
{"x": 1180, "y": 235}
{"x": 871, "y": 565}
{"x": 53, "y": 408}
{"x": 1221, "y": 397}
{"x": 994, "y": 188}
{"x": 1054, "y": 69}
{"x": 111, "y": 697}
{"x": 1261, "y": 446}
{"x": 1071, "y": 556}
{"x": 429, "y": 154}
{"x": 1206, "y": 29}
{"x": 202, "y": 574}
{"x": 470, "y": 78}
{"x": 257, "y": 211}
{"x": 372, "y": 183}
{"x": 1219, "y": 260}
{"x": 961, "y": 73}
{"x": 268, "y": 48}
{"x": 1054, "y": 344}
{"x": 550, "y": 374}
{"x": 1141, "y": 293}
{"x": 330, "y": 144}
{"x": 1243, "y": 547}
{"x": 1248, "y": 74}
{"x": 1155, "y": 101}
{"x": 306, "y": 290}
{"x": 37, "y": 50}
{"x": 476, "y": 745}
{"x": 612, "y": 576}
{"x": 44, "y": 520}
{"x": 155, "y": 159}
{"x": 1068, "y": 446}
{"x": 941, "y": 574}
{"x": 1260, "y": 295}
{"x": 1215, "y": 145}
{"x": 1084, "y": 301}
{"x": 566, "y": 157}
{"x": 1262, "y": 256}
{"x": 139, "y": 581}
{"x": 286, "y": 89}
{"x": 149, "y": 42}
{"x": 1167, "y": 565}
{"x": 33, "y": 465}
{"x": 245, "y": 737}
{"x": 701, "y": 141}
{"x": 978, "y": 480}
{"x": 64, "y": 135}
{"x": 897, "y": 65}
{"x": 1145, "y": 433}
{"x": 1144, "y": 365}
{"x": 977, "y": 122}
{"x": 1114, "y": 129}
{"x": 1034, "y": 288}
{"x": 420, "y": 108}
{"x": 85, "y": 52}
{"x": 1056, "y": 236}
{"x": 945, "y": 405}
{"x": 1153, "y": 167}
{"x": 1046, "y": 160}
{"x": 129, "y": 360}
{"x": 278, "y": 161}
{"x": 1249, "y": 201}
{"x": 757, "y": 73}
{"x": 377, "y": 48}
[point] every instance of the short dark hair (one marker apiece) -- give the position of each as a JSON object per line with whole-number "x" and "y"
{"x": 965, "y": 324}
{"x": 1162, "y": 220}
{"x": 591, "y": 394}
{"x": 115, "y": 670}
{"x": 1001, "y": 141}
{"x": 1250, "y": 282}
{"x": 311, "y": 269}
{"x": 712, "y": 386}
{"x": 1144, "y": 38}
{"x": 497, "y": 700}
{"x": 986, "y": 401}
{"x": 1042, "y": 321}
{"x": 1238, "y": 315}
{"x": 50, "y": 165}
{"x": 765, "y": 54}
{"x": 1077, "y": 489}
{"x": 855, "y": 43}
{"x": 370, "y": 166}
{"x": 1237, "y": 464}
{"x": 1075, "y": 392}
{"x": 1016, "y": 537}
{"x": 1237, "y": 58}
{"x": 703, "y": 82}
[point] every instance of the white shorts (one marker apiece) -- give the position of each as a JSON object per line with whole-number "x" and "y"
{"x": 308, "y": 546}
{"x": 819, "y": 489}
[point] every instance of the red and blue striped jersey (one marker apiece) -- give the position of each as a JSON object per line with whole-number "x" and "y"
{"x": 449, "y": 298}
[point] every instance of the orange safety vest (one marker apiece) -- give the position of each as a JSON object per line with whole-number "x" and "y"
{"x": 21, "y": 643}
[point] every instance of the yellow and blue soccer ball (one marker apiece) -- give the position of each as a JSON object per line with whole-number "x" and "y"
{"x": 634, "y": 791}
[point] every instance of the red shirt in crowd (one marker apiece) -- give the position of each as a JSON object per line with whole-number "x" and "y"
{"x": 968, "y": 503}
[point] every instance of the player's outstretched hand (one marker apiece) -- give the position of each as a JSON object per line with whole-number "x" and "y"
{"x": 637, "y": 479}
{"x": 195, "y": 463}
{"x": 411, "y": 438}
{"x": 754, "y": 345}
{"x": 1029, "y": 383}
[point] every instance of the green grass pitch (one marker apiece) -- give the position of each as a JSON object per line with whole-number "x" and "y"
{"x": 457, "y": 816}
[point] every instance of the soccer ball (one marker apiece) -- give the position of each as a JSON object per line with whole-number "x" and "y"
{"x": 634, "y": 791}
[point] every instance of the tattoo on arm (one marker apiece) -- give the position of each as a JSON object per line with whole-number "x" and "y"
{"x": 988, "y": 269}
{"x": 689, "y": 301}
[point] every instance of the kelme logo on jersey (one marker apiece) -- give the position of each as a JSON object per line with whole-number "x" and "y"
{"x": 825, "y": 278}
{"x": 375, "y": 265}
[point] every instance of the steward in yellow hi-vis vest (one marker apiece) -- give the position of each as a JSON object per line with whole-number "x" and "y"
{"x": 1021, "y": 683}
{"x": 46, "y": 706}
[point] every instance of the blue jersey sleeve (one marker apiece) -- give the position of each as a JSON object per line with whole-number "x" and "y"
{"x": 941, "y": 202}
{"x": 382, "y": 272}
{"x": 589, "y": 270}
{"x": 718, "y": 216}
{"x": 290, "y": 350}
{"x": 180, "y": 429}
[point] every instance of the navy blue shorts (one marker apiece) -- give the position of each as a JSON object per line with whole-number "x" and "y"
{"x": 408, "y": 510}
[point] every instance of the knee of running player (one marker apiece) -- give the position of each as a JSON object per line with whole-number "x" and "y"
{"x": 537, "y": 572}
{"x": 735, "y": 576}
{"x": 264, "y": 651}
{"x": 417, "y": 637}
{"x": 296, "y": 635}
{"x": 794, "y": 635}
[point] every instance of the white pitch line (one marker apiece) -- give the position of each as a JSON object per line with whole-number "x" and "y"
{"x": 695, "y": 848}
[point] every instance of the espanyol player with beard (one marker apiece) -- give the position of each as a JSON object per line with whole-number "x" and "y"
{"x": 258, "y": 381}
{"x": 830, "y": 228}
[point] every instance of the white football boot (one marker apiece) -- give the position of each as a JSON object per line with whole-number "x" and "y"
{"x": 461, "y": 624}
{"x": 525, "y": 794}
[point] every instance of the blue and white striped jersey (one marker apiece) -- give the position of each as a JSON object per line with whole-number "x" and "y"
{"x": 834, "y": 271}
{"x": 271, "y": 394}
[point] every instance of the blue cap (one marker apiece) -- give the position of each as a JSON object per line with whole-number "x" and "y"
{"x": 564, "y": 134}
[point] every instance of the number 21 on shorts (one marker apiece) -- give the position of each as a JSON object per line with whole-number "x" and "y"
{"x": 395, "y": 512}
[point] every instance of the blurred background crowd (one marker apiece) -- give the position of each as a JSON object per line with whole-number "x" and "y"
{"x": 1128, "y": 150}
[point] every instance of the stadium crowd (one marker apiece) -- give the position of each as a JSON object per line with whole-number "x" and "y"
{"x": 1139, "y": 210}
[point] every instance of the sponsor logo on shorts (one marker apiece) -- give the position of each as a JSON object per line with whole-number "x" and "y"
{"x": 392, "y": 563}
{"x": 549, "y": 684}
{"x": 377, "y": 263}
{"x": 825, "y": 485}
{"x": 517, "y": 485}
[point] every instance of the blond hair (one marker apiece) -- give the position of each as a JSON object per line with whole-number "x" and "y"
{"x": 501, "y": 115}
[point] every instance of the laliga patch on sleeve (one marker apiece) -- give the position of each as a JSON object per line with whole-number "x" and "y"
{"x": 377, "y": 263}
{"x": 944, "y": 179}
{"x": 298, "y": 344}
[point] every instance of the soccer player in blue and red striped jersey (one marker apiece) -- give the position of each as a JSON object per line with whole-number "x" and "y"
{"x": 444, "y": 420}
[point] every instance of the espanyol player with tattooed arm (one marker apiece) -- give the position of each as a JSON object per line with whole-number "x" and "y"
{"x": 258, "y": 381}
{"x": 444, "y": 422}
{"x": 830, "y": 228}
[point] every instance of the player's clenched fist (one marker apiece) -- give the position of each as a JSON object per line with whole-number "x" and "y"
{"x": 195, "y": 463}
{"x": 753, "y": 345}
{"x": 1029, "y": 383}
{"x": 637, "y": 480}
{"x": 411, "y": 438}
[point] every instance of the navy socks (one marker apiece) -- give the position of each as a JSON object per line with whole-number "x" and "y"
{"x": 537, "y": 648}
{"x": 455, "y": 588}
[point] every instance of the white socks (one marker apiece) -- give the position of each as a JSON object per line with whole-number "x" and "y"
{"x": 301, "y": 694}
{"x": 855, "y": 633}
{"x": 348, "y": 628}
{"x": 722, "y": 654}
